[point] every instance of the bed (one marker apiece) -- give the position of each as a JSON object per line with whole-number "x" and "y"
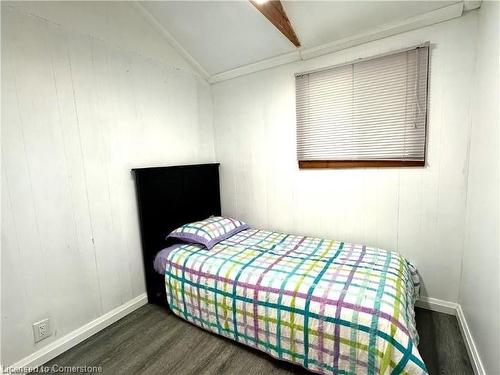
{"x": 329, "y": 306}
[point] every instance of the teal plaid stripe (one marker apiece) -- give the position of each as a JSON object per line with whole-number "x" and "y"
{"x": 334, "y": 308}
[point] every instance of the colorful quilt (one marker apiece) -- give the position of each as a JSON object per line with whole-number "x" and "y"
{"x": 332, "y": 307}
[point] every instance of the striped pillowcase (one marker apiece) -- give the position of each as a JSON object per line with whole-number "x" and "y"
{"x": 210, "y": 231}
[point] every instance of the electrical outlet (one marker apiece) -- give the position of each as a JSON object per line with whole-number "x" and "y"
{"x": 41, "y": 330}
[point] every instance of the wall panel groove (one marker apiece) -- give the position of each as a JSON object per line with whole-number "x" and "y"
{"x": 77, "y": 115}
{"x": 416, "y": 211}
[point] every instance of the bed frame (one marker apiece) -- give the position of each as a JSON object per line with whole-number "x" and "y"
{"x": 168, "y": 197}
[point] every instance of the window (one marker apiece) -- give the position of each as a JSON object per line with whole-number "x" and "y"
{"x": 371, "y": 112}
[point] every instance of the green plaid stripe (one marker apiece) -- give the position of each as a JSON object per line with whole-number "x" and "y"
{"x": 331, "y": 307}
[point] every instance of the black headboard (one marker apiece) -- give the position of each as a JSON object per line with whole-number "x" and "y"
{"x": 167, "y": 198}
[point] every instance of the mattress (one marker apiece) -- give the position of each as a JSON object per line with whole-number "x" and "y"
{"x": 329, "y": 306}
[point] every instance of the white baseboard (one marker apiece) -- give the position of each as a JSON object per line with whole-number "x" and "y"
{"x": 438, "y": 305}
{"x": 66, "y": 342}
{"x": 452, "y": 308}
{"x": 476, "y": 362}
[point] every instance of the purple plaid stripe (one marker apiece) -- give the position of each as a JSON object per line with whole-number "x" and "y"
{"x": 291, "y": 293}
{"x": 341, "y": 290}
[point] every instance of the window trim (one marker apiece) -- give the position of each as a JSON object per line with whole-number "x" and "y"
{"x": 348, "y": 164}
{"x": 344, "y": 164}
{"x": 368, "y": 58}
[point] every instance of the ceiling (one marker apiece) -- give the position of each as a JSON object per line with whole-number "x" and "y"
{"x": 224, "y": 35}
{"x": 319, "y": 22}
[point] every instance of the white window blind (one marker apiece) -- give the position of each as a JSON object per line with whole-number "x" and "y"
{"x": 374, "y": 109}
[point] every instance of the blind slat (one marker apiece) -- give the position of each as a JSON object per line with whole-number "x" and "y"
{"x": 374, "y": 109}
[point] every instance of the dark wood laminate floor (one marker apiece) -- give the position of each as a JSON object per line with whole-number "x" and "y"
{"x": 152, "y": 340}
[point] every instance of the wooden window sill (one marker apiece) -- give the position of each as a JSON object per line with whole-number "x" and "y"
{"x": 308, "y": 164}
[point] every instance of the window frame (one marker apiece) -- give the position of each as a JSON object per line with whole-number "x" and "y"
{"x": 374, "y": 163}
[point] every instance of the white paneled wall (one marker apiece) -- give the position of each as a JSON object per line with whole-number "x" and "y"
{"x": 418, "y": 211}
{"x": 78, "y": 112}
{"x": 480, "y": 284}
{"x": 116, "y": 22}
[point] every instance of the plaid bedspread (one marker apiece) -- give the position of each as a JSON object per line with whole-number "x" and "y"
{"x": 332, "y": 307}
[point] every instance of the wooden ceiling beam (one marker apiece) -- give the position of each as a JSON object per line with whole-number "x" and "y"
{"x": 274, "y": 12}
